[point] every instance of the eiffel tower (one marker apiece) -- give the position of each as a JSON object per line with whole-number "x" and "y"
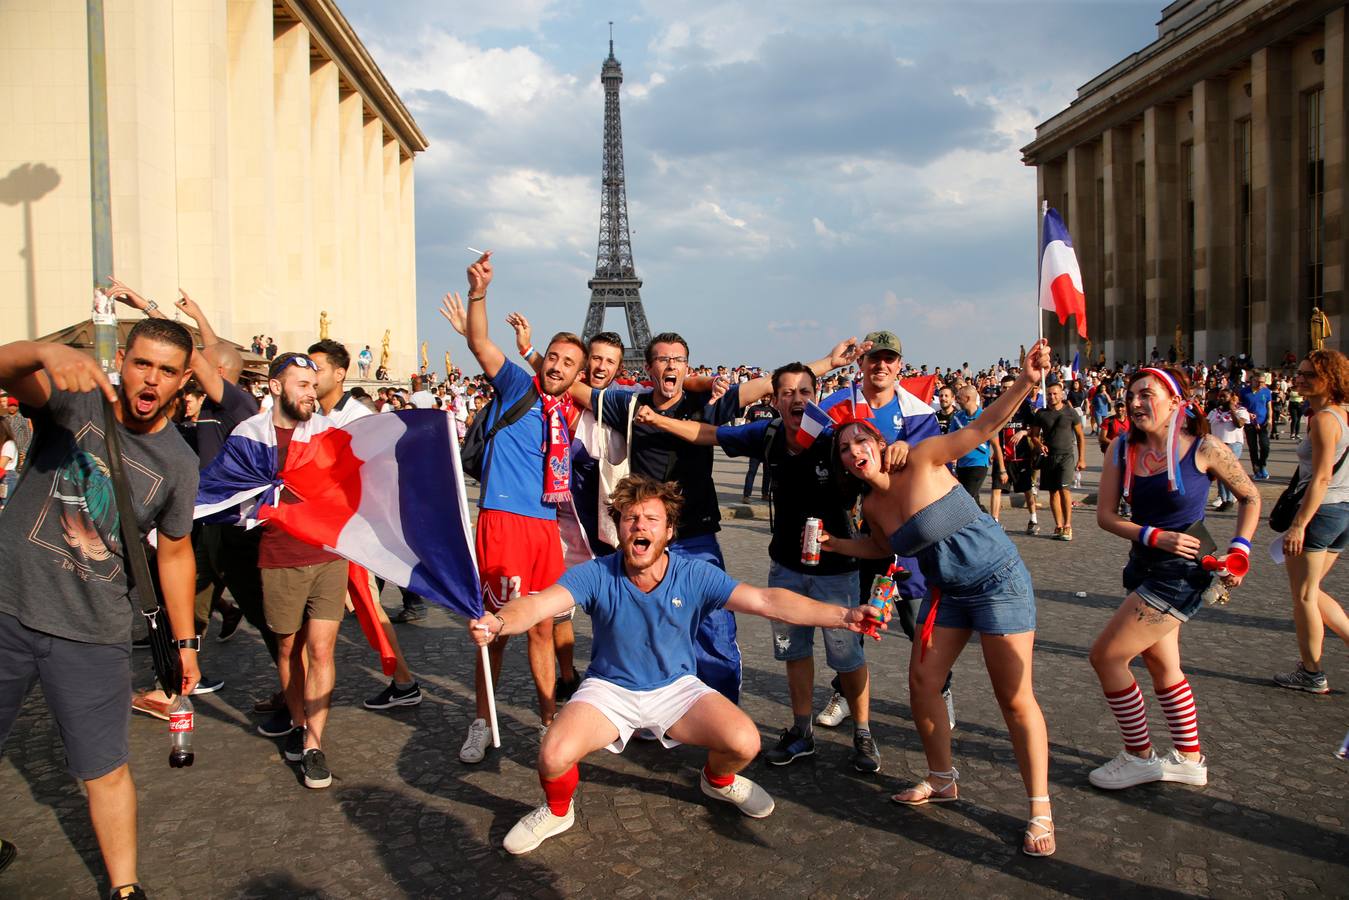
{"x": 616, "y": 282}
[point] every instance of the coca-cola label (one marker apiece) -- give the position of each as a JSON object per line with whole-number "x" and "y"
{"x": 180, "y": 721}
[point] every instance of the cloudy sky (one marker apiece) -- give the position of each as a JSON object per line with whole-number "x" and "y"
{"x": 796, "y": 171}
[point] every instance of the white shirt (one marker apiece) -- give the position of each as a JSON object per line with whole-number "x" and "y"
{"x": 1227, "y": 429}
{"x": 423, "y": 400}
{"x": 10, "y": 451}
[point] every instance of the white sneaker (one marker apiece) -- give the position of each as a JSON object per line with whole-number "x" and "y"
{"x": 1216, "y": 504}
{"x": 536, "y": 828}
{"x": 751, "y": 799}
{"x": 475, "y": 745}
{"x": 1176, "y": 767}
{"x": 950, "y": 707}
{"x": 1126, "y": 770}
{"x": 834, "y": 712}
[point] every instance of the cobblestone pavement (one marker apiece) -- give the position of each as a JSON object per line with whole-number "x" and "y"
{"x": 405, "y": 818}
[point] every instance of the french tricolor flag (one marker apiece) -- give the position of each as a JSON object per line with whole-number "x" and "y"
{"x": 1060, "y": 276}
{"x": 385, "y": 492}
{"x": 814, "y": 422}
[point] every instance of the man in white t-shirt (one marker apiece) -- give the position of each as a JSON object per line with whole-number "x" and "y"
{"x": 421, "y": 398}
{"x": 1227, "y": 421}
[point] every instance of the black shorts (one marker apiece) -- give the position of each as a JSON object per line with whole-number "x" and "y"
{"x": 1021, "y": 475}
{"x": 87, "y": 687}
{"x": 1056, "y": 472}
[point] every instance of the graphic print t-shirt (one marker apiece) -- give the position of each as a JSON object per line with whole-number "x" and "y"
{"x": 60, "y": 539}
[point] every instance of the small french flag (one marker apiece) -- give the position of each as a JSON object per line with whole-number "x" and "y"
{"x": 814, "y": 422}
{"x": 861, "y": 408}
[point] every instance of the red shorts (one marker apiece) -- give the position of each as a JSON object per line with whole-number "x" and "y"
{"x": 517, "y": 555}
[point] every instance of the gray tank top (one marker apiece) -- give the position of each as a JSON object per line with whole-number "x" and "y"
{"x": 1338, "y": 492}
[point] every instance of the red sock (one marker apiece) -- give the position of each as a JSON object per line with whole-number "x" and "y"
{"x": 718, "y": 780}
{"x": 560, "y": 789}
{"x": 1132, "y": 717}
{"x": 1181, "y": 716}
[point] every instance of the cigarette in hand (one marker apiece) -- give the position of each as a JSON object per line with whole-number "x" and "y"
{"x": 474, "y": 250}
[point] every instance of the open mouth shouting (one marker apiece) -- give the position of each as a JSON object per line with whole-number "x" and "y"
{"x": 145, "y": 403}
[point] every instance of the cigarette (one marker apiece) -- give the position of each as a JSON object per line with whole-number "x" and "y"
{"x": 474, "y": 250}
{"x": 482, "y": 627}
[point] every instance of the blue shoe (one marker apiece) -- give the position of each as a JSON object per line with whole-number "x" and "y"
{"x": 791, "y": 745}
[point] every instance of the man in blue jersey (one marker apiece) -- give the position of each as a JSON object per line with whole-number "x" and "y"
{"x": 1255, "y": 397}
{"x": 525, "y": 476}
{"x": 646, "y": 606}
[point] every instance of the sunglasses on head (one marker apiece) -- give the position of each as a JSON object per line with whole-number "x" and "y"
{"x": 298, "y": 359}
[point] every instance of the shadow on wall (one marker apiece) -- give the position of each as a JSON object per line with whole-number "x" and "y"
{"x": 24, "y": 186}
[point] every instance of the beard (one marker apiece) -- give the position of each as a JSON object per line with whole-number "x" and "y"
{"x": 293, "y": 410}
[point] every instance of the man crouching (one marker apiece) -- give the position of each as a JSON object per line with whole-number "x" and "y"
{"x": 645, "y": 606}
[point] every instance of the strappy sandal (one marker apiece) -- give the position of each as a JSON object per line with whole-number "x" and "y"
{"x": 928, "y": 793}
{"x": 1045, "y": 823}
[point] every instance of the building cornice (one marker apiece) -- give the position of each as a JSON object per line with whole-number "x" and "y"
{"x": 1205, "y": 47}
{"x": 333, "y": 34}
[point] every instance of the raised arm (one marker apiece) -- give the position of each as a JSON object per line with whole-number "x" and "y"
{"x": 29, "y": 370}
{"x": 700, "y": 433}
{"x": 844, "y": 353}
{"x": 941, "y": 449}
{"x": 488, "y": 354}
{"x": 524, "y": 341}
{"x": 206, "y": 372}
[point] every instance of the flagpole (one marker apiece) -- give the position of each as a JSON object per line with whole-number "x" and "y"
{"x": 1039, "y": 272}
{"x": 491, "y": 695}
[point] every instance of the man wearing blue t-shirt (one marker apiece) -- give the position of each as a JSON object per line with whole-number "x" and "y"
{"x": 525, "y": 475}
{"x": 1255, "y": 397}
{"x": 646, "y": 606}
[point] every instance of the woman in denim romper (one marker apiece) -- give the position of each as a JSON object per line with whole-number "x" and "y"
{"x": 915, "y": 507}
{"x": 1163, "y": 466}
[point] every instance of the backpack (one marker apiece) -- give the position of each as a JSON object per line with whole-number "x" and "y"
{"x": 473, "y": 451}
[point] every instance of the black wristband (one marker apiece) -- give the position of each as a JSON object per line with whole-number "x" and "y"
{"x": 192, "y": 643}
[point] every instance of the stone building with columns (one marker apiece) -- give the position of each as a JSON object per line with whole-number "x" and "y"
{"x": 1203, "y": 182}
{"x": 258, "y": 159}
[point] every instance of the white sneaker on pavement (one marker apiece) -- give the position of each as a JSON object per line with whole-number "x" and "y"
{"x": 536, "y": 828}
{"x": 475, "y": 745}
{"x": 1176, "y": 767}
{"x": 1126, "y": 770}
{"x": 751, "y": 799}
{"x": 834, "y": 712}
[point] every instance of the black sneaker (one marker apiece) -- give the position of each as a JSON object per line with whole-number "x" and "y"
{"x": 409, "y": 614}
{"x": 295, "y": 745}
{"x": 7, "y": 853}
{"x": 127, "y": 892}
{"x": 791, "y": 745}
{"x": 392, "y": 696}
{"x": 229, "y": 623}
{"x": 208, "y": 685}
{"x": 565, "y": 688}
{"x": 865, "y": 756}
{"x": 276, "y": 725}
{"x": 315, "y": 768}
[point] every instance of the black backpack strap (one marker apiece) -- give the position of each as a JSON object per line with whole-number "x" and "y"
{"x": 770, "y": 434}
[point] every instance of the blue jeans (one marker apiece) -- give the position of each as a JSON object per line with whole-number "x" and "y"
{"x": 1224, "y": 494}
{"x": 716, "y": 649}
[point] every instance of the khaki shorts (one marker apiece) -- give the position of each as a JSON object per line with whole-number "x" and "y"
{"x": 289, "y": 596}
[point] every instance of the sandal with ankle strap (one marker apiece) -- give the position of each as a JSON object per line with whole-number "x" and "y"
{"x": 1046, "y": 823}
{"x": 930, "y": 794}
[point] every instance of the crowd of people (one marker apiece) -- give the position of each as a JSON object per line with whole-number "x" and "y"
{"x": 596, "y": 491}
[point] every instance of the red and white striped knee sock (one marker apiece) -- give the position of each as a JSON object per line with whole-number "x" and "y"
{"x": 1132, "y": 717}
{"x": 1181, "y": 716}
{"x": 559, "y": 790}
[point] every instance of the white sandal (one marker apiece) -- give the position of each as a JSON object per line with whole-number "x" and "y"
{"x": 930, "y": 794}
{"x": 1043, "y": 822}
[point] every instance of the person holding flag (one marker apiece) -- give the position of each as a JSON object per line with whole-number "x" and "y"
{"x": 645, "y": 605}
{"x": 979, "y": 585}
{"x": 801, "y": 485}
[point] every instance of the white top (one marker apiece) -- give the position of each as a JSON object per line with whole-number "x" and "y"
{"x": 423, "y": 400}
{"x": 9, "y": 451}
{"x": 1227, "y": 429}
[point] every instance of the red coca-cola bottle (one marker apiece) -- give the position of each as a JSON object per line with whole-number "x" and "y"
{"x": 180, "y": 733}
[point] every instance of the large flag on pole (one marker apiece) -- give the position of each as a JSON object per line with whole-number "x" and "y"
{"x": 1060, "y": 276}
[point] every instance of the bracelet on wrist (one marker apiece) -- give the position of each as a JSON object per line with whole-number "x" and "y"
{"x": 1148, "y": 536}
{"x": 527, "y": 352}
{"x": 472, "y": 298}
{"x": 501, "y": 625}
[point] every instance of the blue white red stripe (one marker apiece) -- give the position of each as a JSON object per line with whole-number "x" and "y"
{"x": 1060, "y": 277}
{"x": 814, "y": 422}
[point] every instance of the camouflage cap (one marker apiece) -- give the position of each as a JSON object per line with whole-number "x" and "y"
{"x": 884, "y": 341}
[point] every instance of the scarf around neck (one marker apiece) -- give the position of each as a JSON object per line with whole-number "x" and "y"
{"x": 556, "y": 447}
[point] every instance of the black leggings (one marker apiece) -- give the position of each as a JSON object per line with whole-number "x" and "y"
{"x": 971, "y": 478}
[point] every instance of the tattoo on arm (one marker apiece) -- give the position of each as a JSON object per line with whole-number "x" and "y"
{"x": 1222, "y": 463}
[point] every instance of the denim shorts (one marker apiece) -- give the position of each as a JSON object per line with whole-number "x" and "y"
{"x": 1003, "y": 603}
{"x": 842, "y": 649}
{"x": 1173, "y": 584}
{"x": 1328, "y": 529}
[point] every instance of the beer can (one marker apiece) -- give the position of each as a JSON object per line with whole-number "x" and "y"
{"x": 810, "y": 542}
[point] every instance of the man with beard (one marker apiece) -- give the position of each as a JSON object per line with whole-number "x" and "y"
{"x": 304, "y": 588}
{"x": 801, "y": 484}
{"x": 525, "y": 476}
{"x": 665, "y": 457}
{"x": 1057, "y": 429}
{"x": 65, "y": 602}
{"x": 645, "y": 605}
{"x": 341, "y": 407}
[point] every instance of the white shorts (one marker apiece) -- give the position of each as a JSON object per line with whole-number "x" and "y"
{"x": 629, "y": 710}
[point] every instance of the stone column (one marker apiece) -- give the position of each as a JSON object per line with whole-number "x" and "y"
{"x": 326, "y": 189}
{"x": 1080, "y": 180}
{"x": 298, "y": 312}
{"x": 390, "y": 263}
{"x": 378, "y": 296}
{"x": 254, "y": 260}
{"x": 1121, "y": 309}
{"x": 407, "y": 252}
{"x": 1214, "y": 218}
{"x": 1337, "y": 168}
{"x": 1162, "y": 198}
{"x": 1274, "y": 272}
{"x": 351, "y": 162}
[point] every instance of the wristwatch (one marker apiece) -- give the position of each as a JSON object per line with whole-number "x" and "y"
{"x": 150, "y": 304}
{"x": 192, "y": 643}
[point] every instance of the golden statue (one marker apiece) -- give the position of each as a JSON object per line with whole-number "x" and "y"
{"x": 384, "y": 352}
{"x": 449, "y": 370}
{"x": 1320, "y": 328}
{"x": 1180, "y": 344}
{"x": 424, "y": 362}
{"x": 1088, "y": 346}
{"x": 324, "y": 322}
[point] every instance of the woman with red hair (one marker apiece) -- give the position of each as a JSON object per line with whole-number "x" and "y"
{"x": 1163, "y": 466}
{"x": 1320, "y": 528}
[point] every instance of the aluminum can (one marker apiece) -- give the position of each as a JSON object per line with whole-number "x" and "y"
{"x": 810, "y": 542}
